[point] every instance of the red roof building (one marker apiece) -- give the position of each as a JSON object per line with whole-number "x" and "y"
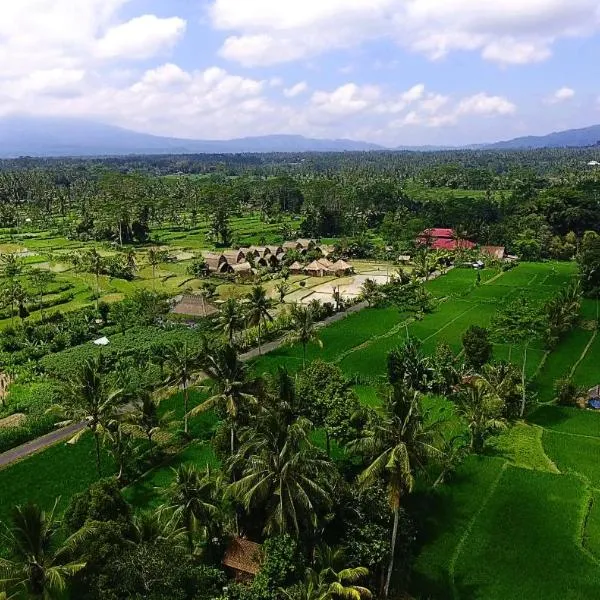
{"x": 444, "y": 239}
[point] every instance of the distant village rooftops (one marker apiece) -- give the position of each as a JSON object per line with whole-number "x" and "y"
{"x": 444, "y": 239}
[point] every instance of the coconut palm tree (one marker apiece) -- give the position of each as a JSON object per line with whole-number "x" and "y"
{"x": 183, "y": 362}
{"x": 193, "y": 497}
{"x": 39, "y": 562}
{"x": 258, "y": 310}
{"x": 282, "y": 289}
{"x": 397, "y": 443}
{"x": 94, "y": 263}
{"x": 40, "y": 280}
{"x": 88, "y": 399}
{"x": 303, "y": 329}
{"x": 331, "y": 580}
{"x": 155, "y": 257}
{"x": 230, "y": 319}
{"x": 231, "y": 386}
{"x": 284, "y": 475}
{"x": 120, "y": 445}
{"x": 159, "y": 526}
{"x": 147, "y": 419}
{"x": 369, "y": 291}
{"x": 482, "y": 409}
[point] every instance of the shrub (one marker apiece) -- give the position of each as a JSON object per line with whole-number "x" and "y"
{"x": 567, "y": 392}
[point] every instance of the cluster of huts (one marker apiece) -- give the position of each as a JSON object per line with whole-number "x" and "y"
{"x": 244, "y": 261}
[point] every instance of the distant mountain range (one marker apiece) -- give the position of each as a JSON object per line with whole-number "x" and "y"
{"x": 37, "y": 136}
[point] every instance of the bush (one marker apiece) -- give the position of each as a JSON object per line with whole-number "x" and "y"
{"x": 31, "y": 399}
{"x": 567, "y": 392}
{"x": 34, "y": 427}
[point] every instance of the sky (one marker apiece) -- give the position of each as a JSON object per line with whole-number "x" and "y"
{"x": 392, "y": 72}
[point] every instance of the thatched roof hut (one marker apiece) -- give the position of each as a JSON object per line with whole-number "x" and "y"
{"x": 292, "y": 246}
{"x": 243, "y": 557}
{"x": 243, "y": 270}
{"x": 275, "y": 250}
{"x": 234, "y": 257}
{"x": 306, "y": 243}
{"x": 341, "y": 267}
{"x": 192, "y": 305}
{"x": 320, "y": 268}
{"x": 296, "y": 268}
{"x": 261, "y": 251}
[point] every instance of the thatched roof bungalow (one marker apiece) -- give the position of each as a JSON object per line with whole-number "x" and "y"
{"x": 306, "y": 244}
{"x": 341, "y": 267}
{"x": 234, "y": 257}
{"x": 243, "y": 270}
{"x": 320, "y": 268}
{"x": 296, "y": 268}
{"x": 275, "y": 250}
{"x": 192, "y": 305}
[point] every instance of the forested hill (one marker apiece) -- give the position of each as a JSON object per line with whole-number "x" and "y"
{"x": 574, "y": 138}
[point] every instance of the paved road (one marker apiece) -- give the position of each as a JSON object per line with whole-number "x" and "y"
{"x": 38, "y": 444}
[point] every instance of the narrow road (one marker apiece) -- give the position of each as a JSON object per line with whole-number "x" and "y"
{"x": 38, "y": 444}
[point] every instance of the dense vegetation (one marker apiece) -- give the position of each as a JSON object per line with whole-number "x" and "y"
{"x": 430, "y": 443}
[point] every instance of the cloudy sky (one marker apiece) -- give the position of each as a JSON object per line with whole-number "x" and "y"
{"x": 394, "y": 72}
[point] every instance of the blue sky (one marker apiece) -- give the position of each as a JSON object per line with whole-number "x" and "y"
{"x": 395, "y": 72}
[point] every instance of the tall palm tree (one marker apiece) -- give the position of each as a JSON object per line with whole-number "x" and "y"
{"x": 39, "y": 563}
{"x": 481, "y": 407}
{"x": 284, "y": 475}
{"x": 230, "y": 319}
{"x": 183, "y": 363}
{"x": 88, "y": 399}
{"x": 231, "y": 386}
{"x": 258, "y": 310}
{"x": 282, "y": 289}
{"x": 155, "y": 257}
{"x": 147, "y": 419}
{"x": 369, "y": 291}
{"x": 194, "y": 499}
{"x": 40, "y": 280}
{"x": 397, "y": 442}
{"x": 303, "y": 329}
{"x": 94, "y": 263}
{"x": 120, "y": 445}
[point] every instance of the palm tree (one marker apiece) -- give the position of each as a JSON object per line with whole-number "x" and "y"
{"x": 369, "y": 291}
{"x": 183, "y": 362}
{"x": 482, "y": 409}
{"x": 303, "y": 329}
{"x": 94, "y": 263}
{"x": 152, "y": 527}
{"x": 335, "y": 579}
{"x": 230, "y": 319}
{"x": 397, "y": 442}
{"x": 120, "y": 445}
{"x": 282, "y": 289}
{"x": 40, "y": 280}
{"x": 155, "y": 257}
{"x": 147, "y": 418}
{"x": 258, "y": 309}
{"x": 40, "y": 563}
{"x": 230, "y": 377}
{"x": 193, "y": 498}
{"x": 283, "y": 475}
{"x": 87, "y": 399}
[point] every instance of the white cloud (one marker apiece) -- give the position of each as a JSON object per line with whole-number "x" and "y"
{"x": 482, "y": 104}
{"x": 346, "y": 100}
{"x": 296, "y": 90}
{"x": 509, "y": 32}
{"x": 140, "y": 38}
{"x": 563, "y": 94}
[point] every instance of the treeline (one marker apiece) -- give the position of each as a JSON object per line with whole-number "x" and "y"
{"x": 535, "y": 216}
